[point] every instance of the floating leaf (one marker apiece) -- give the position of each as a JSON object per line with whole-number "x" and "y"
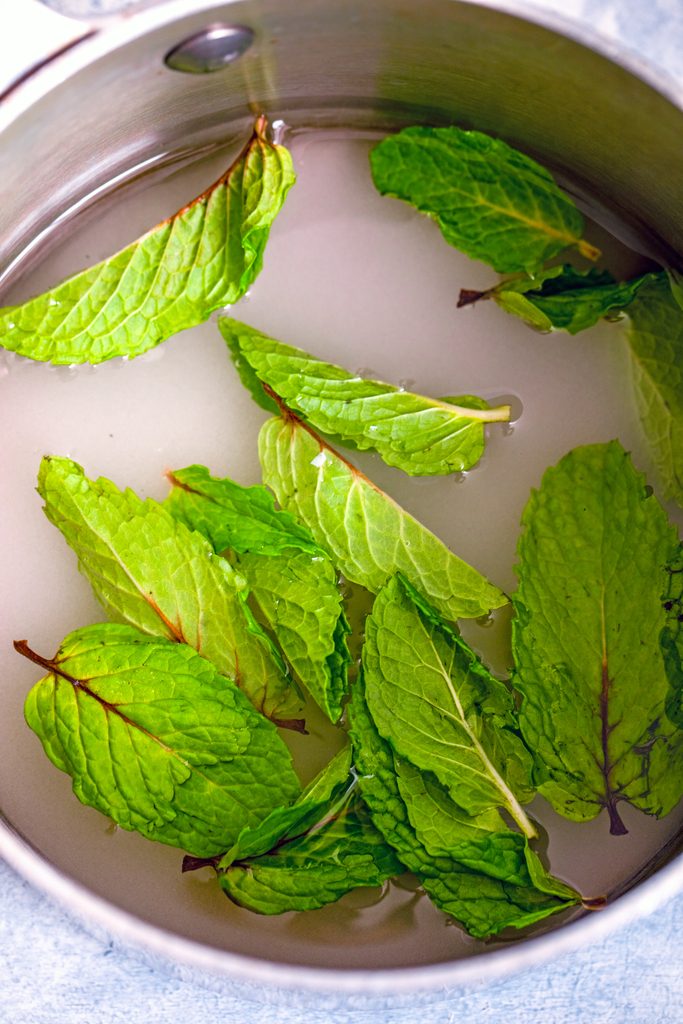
{"x": 291, "y": 579}
{"x": 655, "y": 340}
{"x": 201, "y": 259}
{"x": 492, "y": 202}
{"x": 562, "y": 298}
{"x": 595, "y": 559}
{"x": 367, "y": 535}
{"x": 312, "y": 853}
{"x": 409, "y": 807}
{"x": 156, "y": 739}
{"x": 422, "y": 436}
{"x": 433, "y": 700}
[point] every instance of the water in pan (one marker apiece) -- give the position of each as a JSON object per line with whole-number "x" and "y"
{"x": 368, "y": 283}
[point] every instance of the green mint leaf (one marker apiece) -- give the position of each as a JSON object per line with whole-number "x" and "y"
{"x": 316, "y": 869}
{"x": 671, "y": 638}
{"x": 484, "y": 902}
{"x": 300, "y": 600}
{"x": 655, "y": 339}
{"x": 367, "y": 535}
{"x": 595, "y": 560}
{"x": 201, "y": 259}
{"x": 490, "y": 201}
{"x": 307, "y": 855}
{"x": 291, "y": 579}
{"x": 433, "y": 700}
{"x": 422, "y": 436}
{"x": 156, "y": 739}
{"x": 231, "y": 516}
{"x": 150, "y": 571}
{"x": 565, "y": 299}
{"x": 333, "y": 783}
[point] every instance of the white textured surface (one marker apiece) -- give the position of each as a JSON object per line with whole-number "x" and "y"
{"x": 52, "y": 972}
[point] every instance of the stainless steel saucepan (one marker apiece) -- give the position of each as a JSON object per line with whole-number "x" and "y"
{"x": 123, "y": 94}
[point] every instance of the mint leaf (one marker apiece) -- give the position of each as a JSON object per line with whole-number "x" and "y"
{"x": 173, "y": 277}
{"x": 299, "y": 599}
{"x": 232, "y": 516}
{"x": 311, "y": 853}
{"x": 291, "y": 579}
{"x": 367, "y": 535}
{"x": 315, "y": 869}
{"x": 335, "y": 782}
{"x": 152, "y": 572}
{"x": 156, "y": 739}
{"x": 492, "y": 202}
{"x": 595, "y": 559}
{"x": 655, "y": 340}
{"x": 562, "y": 298}
{"x": 433, "y": 700}
{"x": 422, "y": 436}
{"x": 482, "y": 898}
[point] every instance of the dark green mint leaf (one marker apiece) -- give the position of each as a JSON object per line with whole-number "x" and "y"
{"x": 595, "y": 561}
{"x": 422, "y": 436}
{"x": 490, "y": 201}
{"x": 173, "y": 277}
{"x": 477, "y": 892}
{"x": 564, "y": 299}
{"x": 436, "y": 704}
{"x": 367, "y": 535}
{"x": 335, "y": 782}
{"x": 149, "y": 570}
{"x": 311, "y": 853}
{"x": 156, "y": 739}
{"x": 656, "y": 345}
{"x": 291, "y": 579}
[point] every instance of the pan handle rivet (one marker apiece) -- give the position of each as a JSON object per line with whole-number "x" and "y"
{"x": 210, "y": 50}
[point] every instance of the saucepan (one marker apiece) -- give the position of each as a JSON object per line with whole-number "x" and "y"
{"x": 105, "y": 102}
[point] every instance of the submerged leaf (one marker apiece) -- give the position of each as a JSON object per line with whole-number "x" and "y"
{"x": 595, "y": 561}
{"x": 474, "y": 869}
{"x": 156, "y": 739}
{"x": 149, "y": 570}
{"x": 201, "y": 259}
{"x": 368, "y": 536}
{"x": 422, "y": 436}
{"x": 291, "y": 579}
{"x": 433, "y": 700}
{"x": 311, "y": 853}
{"x": 655, "y": 340}
{"x": 492, "y": 202}
{"x": 562, "y": 298}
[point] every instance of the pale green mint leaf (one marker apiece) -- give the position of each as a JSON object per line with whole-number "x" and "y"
{"x": 569, "y": 301}
{"x": 436, "y": 704}
{"x": 201, "y": 259}
{"x": 315, "y": 869}
{"x": 490, "y": 201}
{"x": 367, "y": 535}
{"x": 291, "y": 579}
{"x": 483, "y": 902}
{"x": 422, "y": 436}
{"x": 299, "y": 599}
{"x": 333, "y": 784}
{"x": 595, "y": 560}
{"x": 149, "y": 570}
{"x": 156, "y": 739}
{"x": 655, "y": 339}
{"x": 231, "y": 516}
